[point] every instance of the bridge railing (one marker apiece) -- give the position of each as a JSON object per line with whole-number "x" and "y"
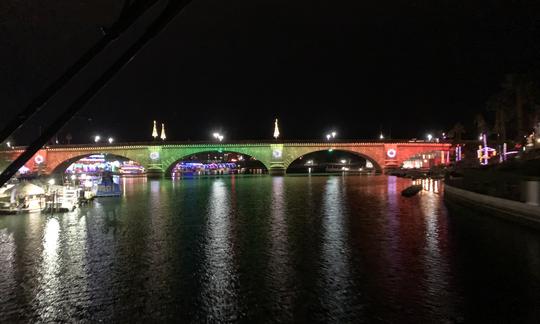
{"x": 240, "y": 142}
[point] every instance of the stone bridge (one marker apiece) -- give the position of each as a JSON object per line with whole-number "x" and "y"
{"x": 159, "y": 158}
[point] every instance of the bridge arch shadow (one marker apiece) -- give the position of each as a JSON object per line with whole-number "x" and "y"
{"x": 248, "y": 159}
{"x": 62, "y": 166}
{"x": 307, "y": 156}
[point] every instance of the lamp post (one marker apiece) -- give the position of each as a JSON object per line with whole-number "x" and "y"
{"x": 331, "y": 135}
{"x": 218, "y": 136}
{"x": 97, "y": 138}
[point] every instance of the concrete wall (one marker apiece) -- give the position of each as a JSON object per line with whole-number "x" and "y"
{"x": 508, "y": 209}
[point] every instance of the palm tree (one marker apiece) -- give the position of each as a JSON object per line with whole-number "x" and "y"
{"x": 521, "y": 94}
{"x": 481, "y": 124}
{"x": 500, "y": 106}
{"x": 456, "y": 132}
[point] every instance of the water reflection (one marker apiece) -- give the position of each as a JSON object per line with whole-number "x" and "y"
{"x": 219, "y": 291}
{"x": 335, "y": 251}
{"x": 435, "y": 267}
{"x": 279, "y": 267}
{"x": 429, "y": 184}
{"x": 283, "y": 249}
{"x": 50, "y": 289}
{"x": 7, "y": 271}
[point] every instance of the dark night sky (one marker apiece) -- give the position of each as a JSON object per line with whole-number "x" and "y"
{"x": 412, "y": 66}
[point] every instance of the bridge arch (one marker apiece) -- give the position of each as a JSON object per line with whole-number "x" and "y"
{"x": 369, "y": 154}
{"x": 170, "y": 162}
{"x": 60, "y": 168}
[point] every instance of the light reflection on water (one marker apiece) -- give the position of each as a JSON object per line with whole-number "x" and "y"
{"x": 219, "y": 293}
{"x": 279, "y": 266}
{"x": 429, "y": 184}
{"x": 284, "y": 249}
{"x": 50, "y": 289}
{"x": 335, "y": 251}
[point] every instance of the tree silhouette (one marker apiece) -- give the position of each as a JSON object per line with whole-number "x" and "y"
{"x": 456, "y": 132}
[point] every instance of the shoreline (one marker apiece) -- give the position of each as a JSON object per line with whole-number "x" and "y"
{"x": 499, "y": 207}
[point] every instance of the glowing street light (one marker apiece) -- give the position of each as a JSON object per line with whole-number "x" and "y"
{"x": 8, "y": 144}
{"x": 429, "y": 137}
{"x": 330, "y": 135}
{"x": 111, "y": 140}
{"x": 381, "y": 136}
{"x": 97, "y": 138}
{"x": 218, "y": 136}
{"x": 343, "y": 161}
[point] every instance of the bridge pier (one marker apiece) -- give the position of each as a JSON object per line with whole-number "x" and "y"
{"x": 154, "y": 173}
{"x": 279, "y": 171}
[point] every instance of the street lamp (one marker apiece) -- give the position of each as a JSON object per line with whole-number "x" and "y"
{"x": 429, "y": 137}
{"x": 328, "y": 136}
{"x": 8, "y": 144}
{"x": 334, "y": 134}
{"x": 381, "y": 136}
{"x": 97, "y": 138}
{"x": 111, "y": 140}
{"x": 218, "y": 136}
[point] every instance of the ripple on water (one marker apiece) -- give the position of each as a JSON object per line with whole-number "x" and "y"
{"x": 268, "y": 249}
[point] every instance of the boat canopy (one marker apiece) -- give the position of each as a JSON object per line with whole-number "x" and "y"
{"x": 24, "y": 189}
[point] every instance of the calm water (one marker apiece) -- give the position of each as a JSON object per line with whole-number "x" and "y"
{"x": 268, "y": 249}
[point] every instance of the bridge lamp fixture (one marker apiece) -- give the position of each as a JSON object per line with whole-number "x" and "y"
{"x": 328, "y": 136}
{"x": 381, "y": 136}
{"x": 429, "y": 137}
{"x": 8, "y": 144}
{"x": 218, "y": 136}
{"x": 343, "y": 161}
{"x": 334, "y": 134}
{"x": 111, "y": 140}
{"x": 97, "y": 138}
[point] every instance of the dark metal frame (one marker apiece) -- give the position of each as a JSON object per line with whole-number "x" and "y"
{"x": 133, "y": 9}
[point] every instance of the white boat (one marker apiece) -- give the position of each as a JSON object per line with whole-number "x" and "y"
{"x": 23, "y": 197}
{"x": 62, "y": 199}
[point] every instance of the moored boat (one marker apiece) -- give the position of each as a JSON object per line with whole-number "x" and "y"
{"x": 411, "y": 190}
{"x": 23, "y": 197}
